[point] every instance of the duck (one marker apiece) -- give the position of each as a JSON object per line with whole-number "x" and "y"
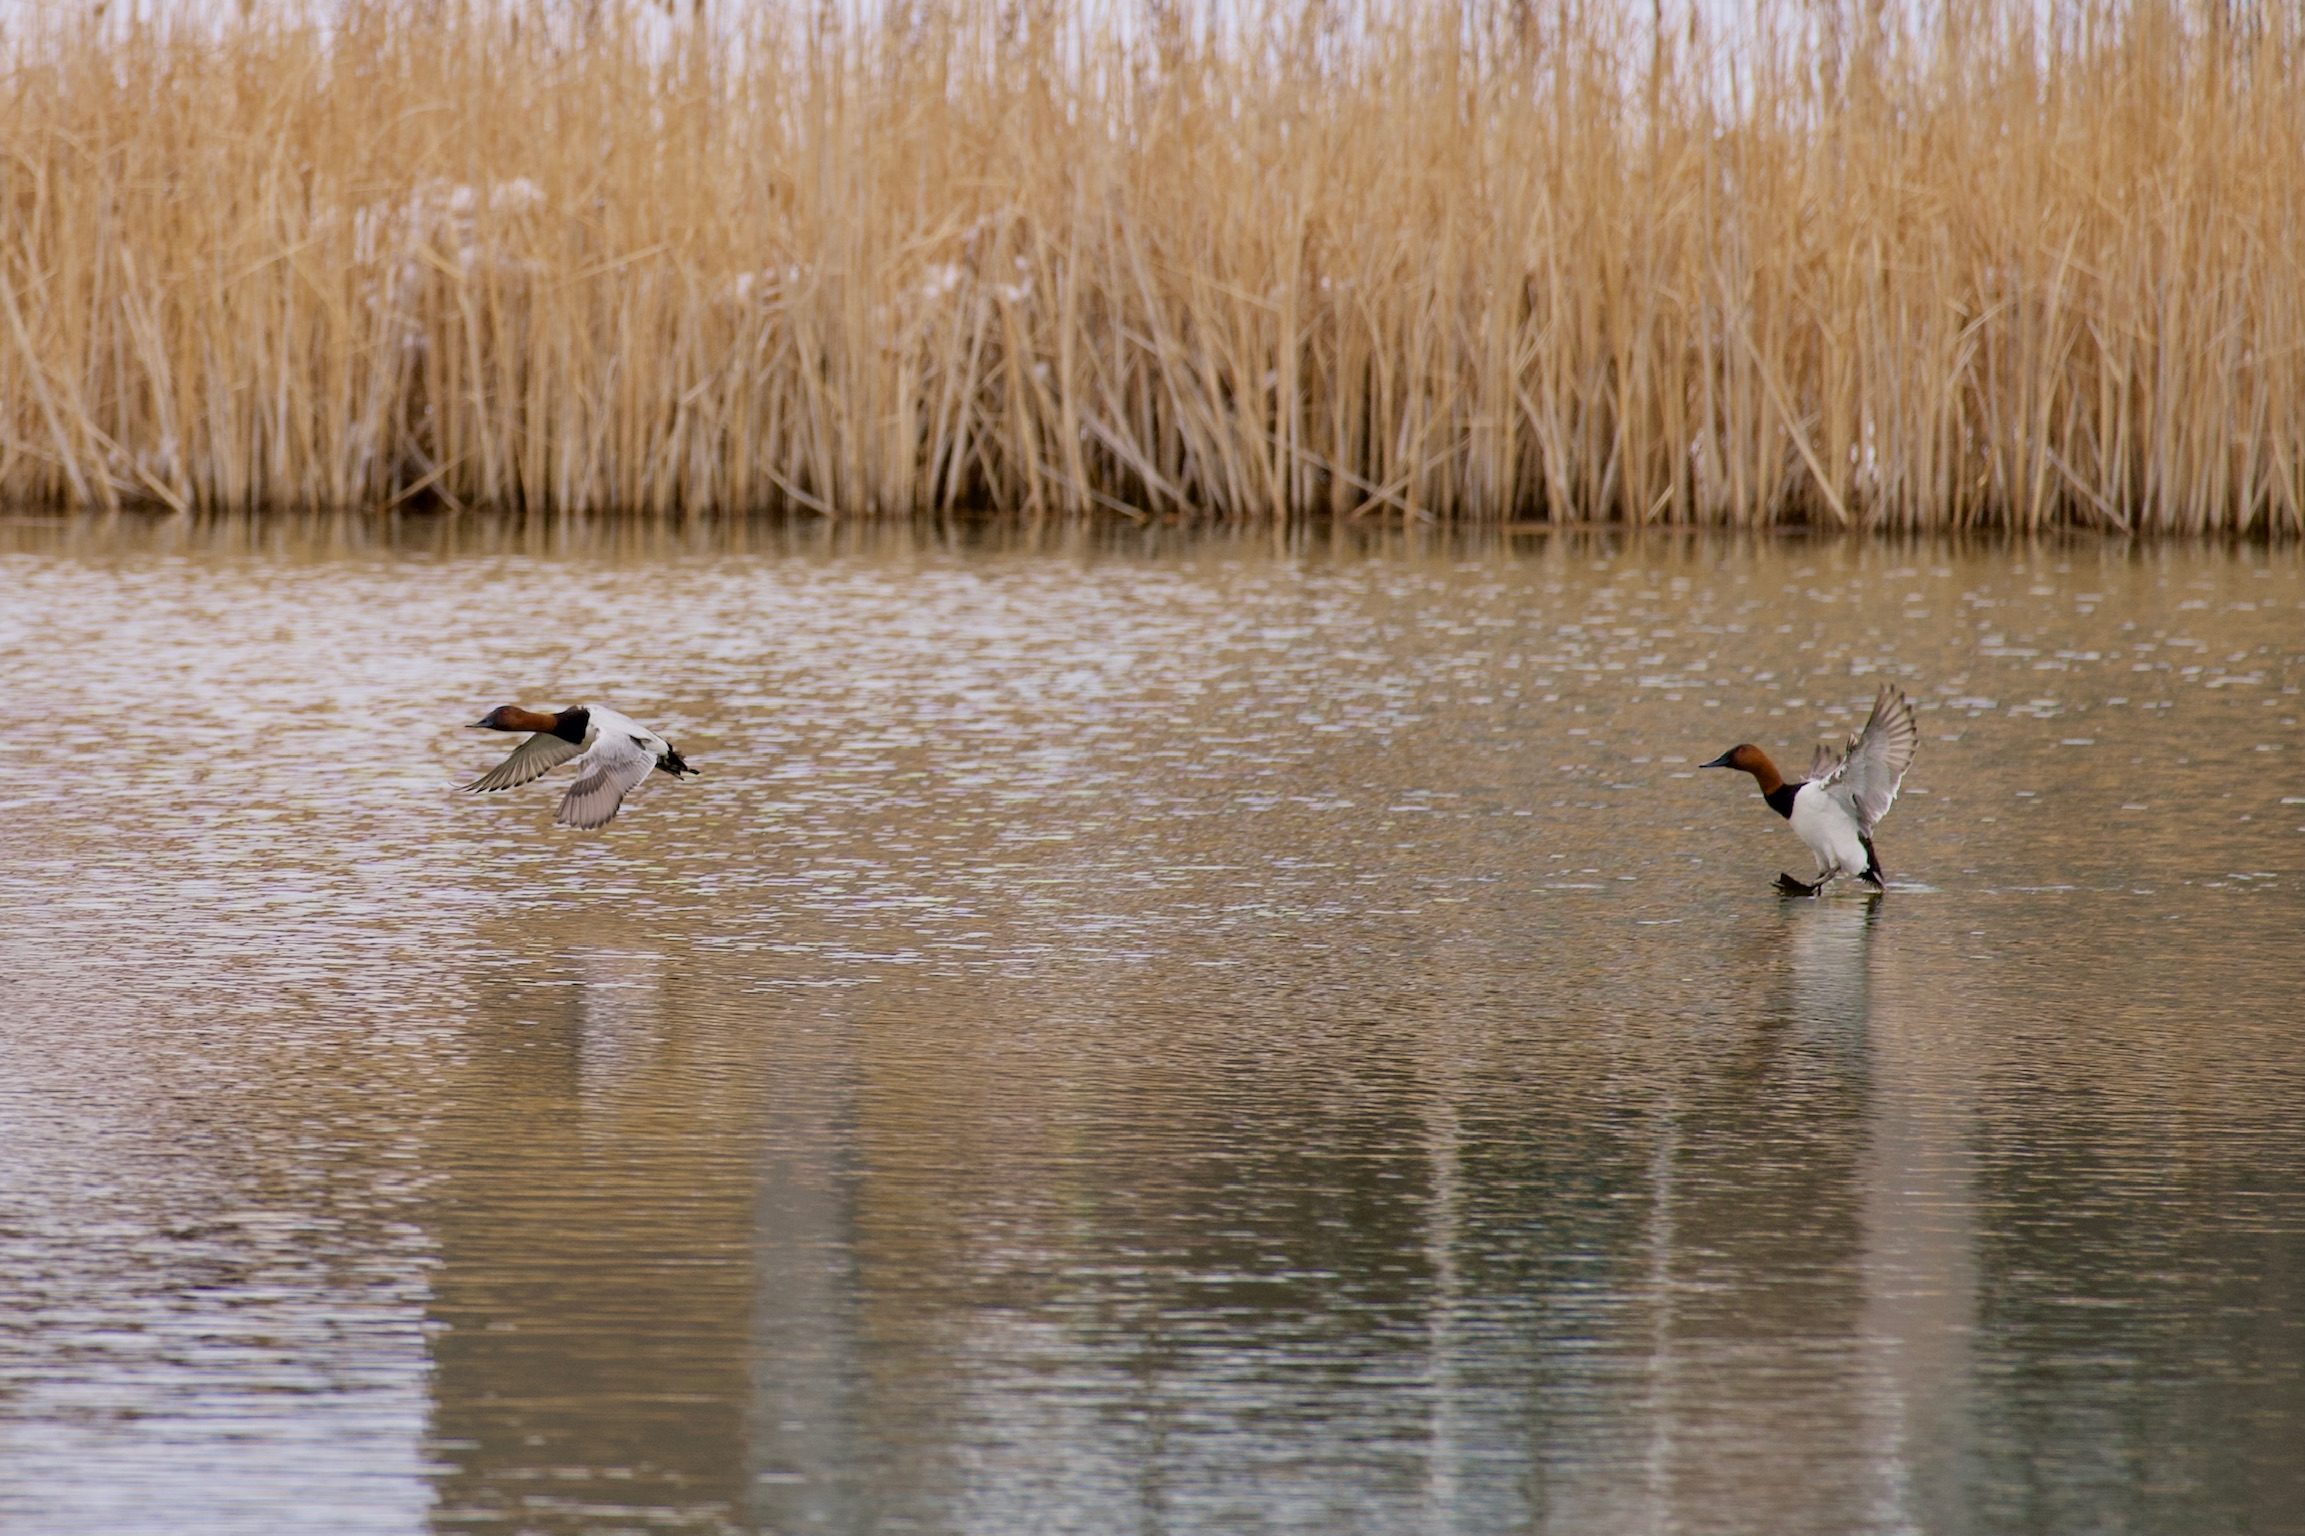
{"x": 613, "y": 754}
{"x": 1848, "y": 790}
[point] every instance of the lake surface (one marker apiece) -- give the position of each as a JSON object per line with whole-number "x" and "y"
{"x": 1136, "y": 1032}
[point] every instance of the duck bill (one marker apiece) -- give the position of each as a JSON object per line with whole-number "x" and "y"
{"x": 1720, "y": 762}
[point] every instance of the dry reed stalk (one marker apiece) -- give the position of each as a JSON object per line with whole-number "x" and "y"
{"x": 1487, "y": 261}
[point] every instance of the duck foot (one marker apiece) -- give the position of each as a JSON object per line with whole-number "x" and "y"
{"x": 1788, "y": 886}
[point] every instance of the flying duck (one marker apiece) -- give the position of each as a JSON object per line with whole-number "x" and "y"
{"x": 1848, "y": 790}
{"x": 613, "y": 754}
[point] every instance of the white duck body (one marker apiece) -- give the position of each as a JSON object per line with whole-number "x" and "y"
{"x": 619, "y": 752}
{"x": 1820, "y": 820}
{"x": 613, "y": 753}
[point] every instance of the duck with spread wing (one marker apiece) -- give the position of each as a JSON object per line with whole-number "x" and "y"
{"x": 1848, "y": 790}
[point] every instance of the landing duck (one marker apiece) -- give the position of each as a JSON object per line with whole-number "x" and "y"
{"x": 1848, "y": 790}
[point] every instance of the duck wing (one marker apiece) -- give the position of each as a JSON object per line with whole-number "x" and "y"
{"x": 531, "y": 760}
{"x": 1865, "y": 774}
{"x": 615, "y": 764}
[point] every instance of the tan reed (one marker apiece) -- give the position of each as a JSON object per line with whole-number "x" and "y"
{"x": 1997, "y": 265}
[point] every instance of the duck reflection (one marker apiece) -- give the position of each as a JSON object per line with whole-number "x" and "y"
{"x": 591, "y": 1310}
{"x": 1919, "y": 1272}
{"x": 1827, "y": 985}
{"x": 1914, "y": 1275}
{"x": 1802, "y": 1299}
{"x": 1757, "y": 1233}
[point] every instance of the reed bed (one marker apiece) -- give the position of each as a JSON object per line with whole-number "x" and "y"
{"x": 1997, "y": 265}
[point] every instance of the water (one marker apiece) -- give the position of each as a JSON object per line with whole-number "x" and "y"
{"x": 1135, "y": 1032}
